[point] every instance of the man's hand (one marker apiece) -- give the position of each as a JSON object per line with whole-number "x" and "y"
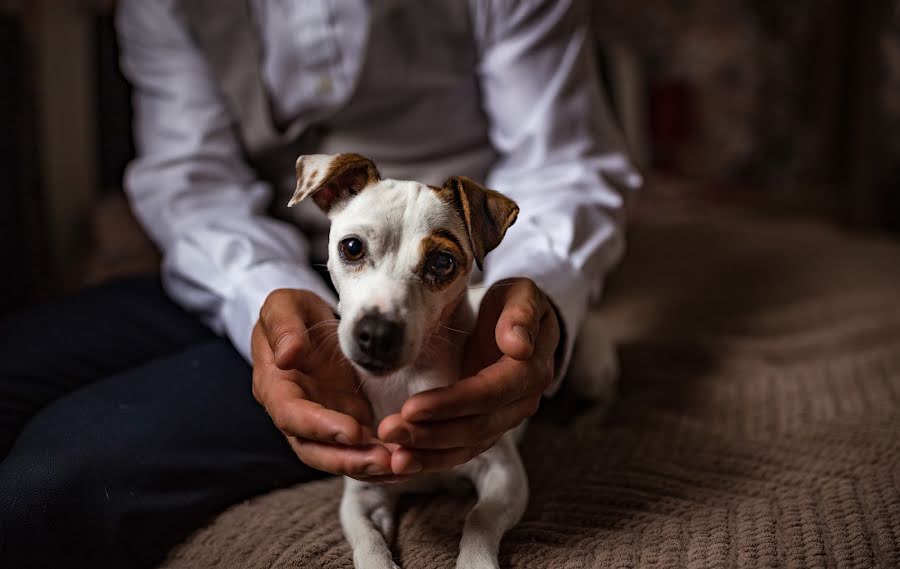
{"x": 508, "y": 363}
{"x": 309, "y": 389}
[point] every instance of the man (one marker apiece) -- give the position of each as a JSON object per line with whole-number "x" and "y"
{"x": 125, "y": 422}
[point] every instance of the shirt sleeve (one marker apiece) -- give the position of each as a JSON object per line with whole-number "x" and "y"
{"x": 561, "y": 156}
{"x": 191, "y": 188}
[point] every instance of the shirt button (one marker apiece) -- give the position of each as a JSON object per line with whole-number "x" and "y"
{"x": 325, "y": 86}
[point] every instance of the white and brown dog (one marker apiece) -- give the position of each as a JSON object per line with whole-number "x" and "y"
{"x": 400, "y": 255}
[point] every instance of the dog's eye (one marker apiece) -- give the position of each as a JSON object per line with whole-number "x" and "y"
{"x": 441, "y": 264}
{"x": 351, "y": 249}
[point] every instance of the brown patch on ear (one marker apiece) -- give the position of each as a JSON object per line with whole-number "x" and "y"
{"x": 330, "y": 179}
{"x": 486, "y": 213}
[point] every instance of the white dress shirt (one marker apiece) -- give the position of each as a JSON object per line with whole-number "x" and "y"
{"x": 559, "y": 155}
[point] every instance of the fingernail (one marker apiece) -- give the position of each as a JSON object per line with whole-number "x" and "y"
{"x": 413, "y": 467}
{"x": 342, "y": 439}
{"x": 523, "y": 333}
{"x": 375, "y": 470}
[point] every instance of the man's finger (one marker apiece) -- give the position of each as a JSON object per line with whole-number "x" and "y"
{"x": 408, "y": 461}
{"x": 517, "y": 328}
{"x": 359, "y": 461}
{"x": 285, "y": 331}
{"x": 386, "y": 479}
{"x": 296, "y": 416}
{"x": 494, "y": 386}
{"x": 464, "y": 432}
{"x": 268, "y": 377}
{"x": 283, "y": 317}
{"x": 352, "y": 404}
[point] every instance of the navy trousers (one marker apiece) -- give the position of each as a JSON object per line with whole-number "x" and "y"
{"x": 125, "y": 423}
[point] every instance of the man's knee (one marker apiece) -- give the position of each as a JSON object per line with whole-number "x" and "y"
{"x": 54, "y": 509}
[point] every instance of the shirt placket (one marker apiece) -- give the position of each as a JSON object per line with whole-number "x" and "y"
{"x": 315, "y": 40}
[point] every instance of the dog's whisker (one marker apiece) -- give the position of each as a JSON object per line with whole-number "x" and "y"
{"x": 443, "y": 339}
{"x": 323, "y": 323}
{"x": 495, "y": 285}
{"x": 455, "y": 330}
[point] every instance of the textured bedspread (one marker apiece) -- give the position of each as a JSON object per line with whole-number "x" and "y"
{"x": 757, "y": 423}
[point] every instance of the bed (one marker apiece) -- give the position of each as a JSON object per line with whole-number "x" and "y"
{"x": 757, "y": 421}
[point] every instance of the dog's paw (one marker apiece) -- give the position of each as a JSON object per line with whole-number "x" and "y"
{"x": 368, "y": 560}
{"x": 465, "y": 561}
{"x": 383, "y": 519}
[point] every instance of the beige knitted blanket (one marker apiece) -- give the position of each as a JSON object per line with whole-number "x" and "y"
{"x": 757, "y": 423}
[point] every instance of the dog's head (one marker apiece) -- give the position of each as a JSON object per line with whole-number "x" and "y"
{"x": 400, "y": 252}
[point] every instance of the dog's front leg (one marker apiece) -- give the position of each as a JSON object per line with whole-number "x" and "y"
{"x": 367, "y": 516}
{"x": 502, "y": 486}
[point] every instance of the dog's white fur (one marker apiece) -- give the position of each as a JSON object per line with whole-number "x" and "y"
{"x": 392, "y": 218}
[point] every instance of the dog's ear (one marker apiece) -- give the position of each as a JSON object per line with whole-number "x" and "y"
{"x": 332, "y": 178}
{"x": 487, "y": 214}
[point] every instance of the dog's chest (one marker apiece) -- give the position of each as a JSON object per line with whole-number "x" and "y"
{"x": 387, "y": 394}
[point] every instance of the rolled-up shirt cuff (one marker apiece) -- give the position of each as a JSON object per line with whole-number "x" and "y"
{"x": 240, "y": 310}
{"x": 567, "y": 289}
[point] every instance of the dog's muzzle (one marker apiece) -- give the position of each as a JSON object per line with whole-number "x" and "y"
{"x": 379, "y": 341}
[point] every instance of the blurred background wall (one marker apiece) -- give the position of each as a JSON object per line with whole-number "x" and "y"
{"x": 795, "y": 99}
{"x": 793, "y": 106}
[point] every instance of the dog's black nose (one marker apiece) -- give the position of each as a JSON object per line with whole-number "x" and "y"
{"x": 378, "y": 337}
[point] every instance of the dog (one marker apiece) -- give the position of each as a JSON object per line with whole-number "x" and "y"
{"x": 400, "y": 257}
